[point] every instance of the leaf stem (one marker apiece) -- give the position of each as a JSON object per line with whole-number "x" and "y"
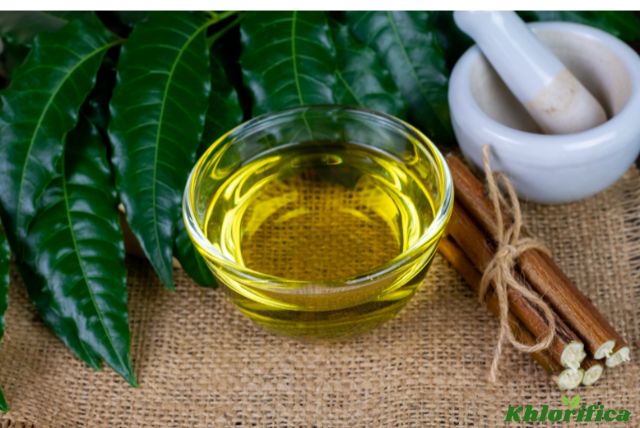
{"x": 224, "y": 15}
{"x": 215, "y": 36}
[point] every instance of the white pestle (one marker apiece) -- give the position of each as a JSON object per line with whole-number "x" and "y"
{"x": 552, "y": 95}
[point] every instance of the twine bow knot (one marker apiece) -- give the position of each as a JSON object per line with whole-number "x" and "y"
{"x": 500, "y": 271}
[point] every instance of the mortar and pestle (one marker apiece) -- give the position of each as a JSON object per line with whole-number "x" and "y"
{"x": 558, "y": 103}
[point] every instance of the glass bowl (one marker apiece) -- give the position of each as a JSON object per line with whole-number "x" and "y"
{"x": 320, "y": 221}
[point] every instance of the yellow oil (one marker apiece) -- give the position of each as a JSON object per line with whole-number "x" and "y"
{"x": 324, "y": 214}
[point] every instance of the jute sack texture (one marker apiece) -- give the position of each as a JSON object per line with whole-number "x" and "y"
{"x": 201, "y": 364}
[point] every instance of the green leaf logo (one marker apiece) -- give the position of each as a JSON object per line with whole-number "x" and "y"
{"x": 573, "y": 402}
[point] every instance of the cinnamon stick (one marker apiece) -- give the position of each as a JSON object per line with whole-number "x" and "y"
{"x": 540, "y": 270}
{"x": 592, "y": 371}
{"x": 566, "y": 346}
{"x": 619, "y": 355}
{"x": 565, "y": 378}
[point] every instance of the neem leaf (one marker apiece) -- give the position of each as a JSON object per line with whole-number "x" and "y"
{"x": 54, "y": 315}
{"x": 224, "y": 111}
{"x": 157, "y": 118}
{"x": 453, "y": 41}
{"x": 288, "y": 59}
{"x": 625, "y": 25}
{"x": 12, "y": 56}
{"x": 77, "y": 245}
{"x": 38, "y": 109}
{"x": 191, "y": 261}
{"x": 407, "y": 44}
{"x": 5, "y": 261}
{"x": 361, "y": 78}
{"x": 227, "y": 49}
{"x": 96, "y": 108}
{"x": 132, "y": 17}
{"x": 22, "y": 27}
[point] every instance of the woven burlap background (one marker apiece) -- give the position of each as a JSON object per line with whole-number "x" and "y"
{"x": 200, "y": 363}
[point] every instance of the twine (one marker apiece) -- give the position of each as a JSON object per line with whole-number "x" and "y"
{"x": 500, "y": 271}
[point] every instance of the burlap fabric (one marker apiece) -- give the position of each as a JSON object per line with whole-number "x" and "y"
{"x": 200, "y": 363}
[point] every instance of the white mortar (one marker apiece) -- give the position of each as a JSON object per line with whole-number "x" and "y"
{"x": 553, "y": 168}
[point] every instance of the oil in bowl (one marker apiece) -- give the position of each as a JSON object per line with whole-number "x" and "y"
{"x": 320, "y": 221}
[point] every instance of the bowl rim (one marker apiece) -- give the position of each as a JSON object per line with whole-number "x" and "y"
{"x": 283, "y": 285}
{"x": 582, "y": 146}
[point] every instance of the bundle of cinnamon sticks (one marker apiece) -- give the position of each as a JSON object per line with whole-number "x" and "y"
{"x": 584, "y": 342}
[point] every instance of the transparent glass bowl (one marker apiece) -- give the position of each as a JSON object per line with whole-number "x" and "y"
{"x": 312, "y": 308}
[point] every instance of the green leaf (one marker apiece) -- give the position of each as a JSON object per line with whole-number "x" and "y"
{"x": 157, "y": 119}
{"x": 5, "y": 262}
{"x": 191, "y": 261}
{"x": 22, "y": 27}
{"x": 452, "y": 40}
{"x": 38, "y": 109}
{"x": 132, "y": 17}
{"x": 12, "y": 56}
{"x": 407, "y": 44}
{"x": 575, "y": 401}
{"x": 361, "y": 78}
{"x": 288, "y": 59}
{"x": 227, "y": 50}
{"x": 77, "y": 245}
{"x": 224, "y": 110}
{"x": 223, "y": 114}
{"x": 52, "y": 315}
{"x": 96, "y": 108}
{"x": 625, "y": 25}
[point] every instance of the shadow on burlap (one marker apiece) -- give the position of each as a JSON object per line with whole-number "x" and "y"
{"x": 200, "y": 363}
